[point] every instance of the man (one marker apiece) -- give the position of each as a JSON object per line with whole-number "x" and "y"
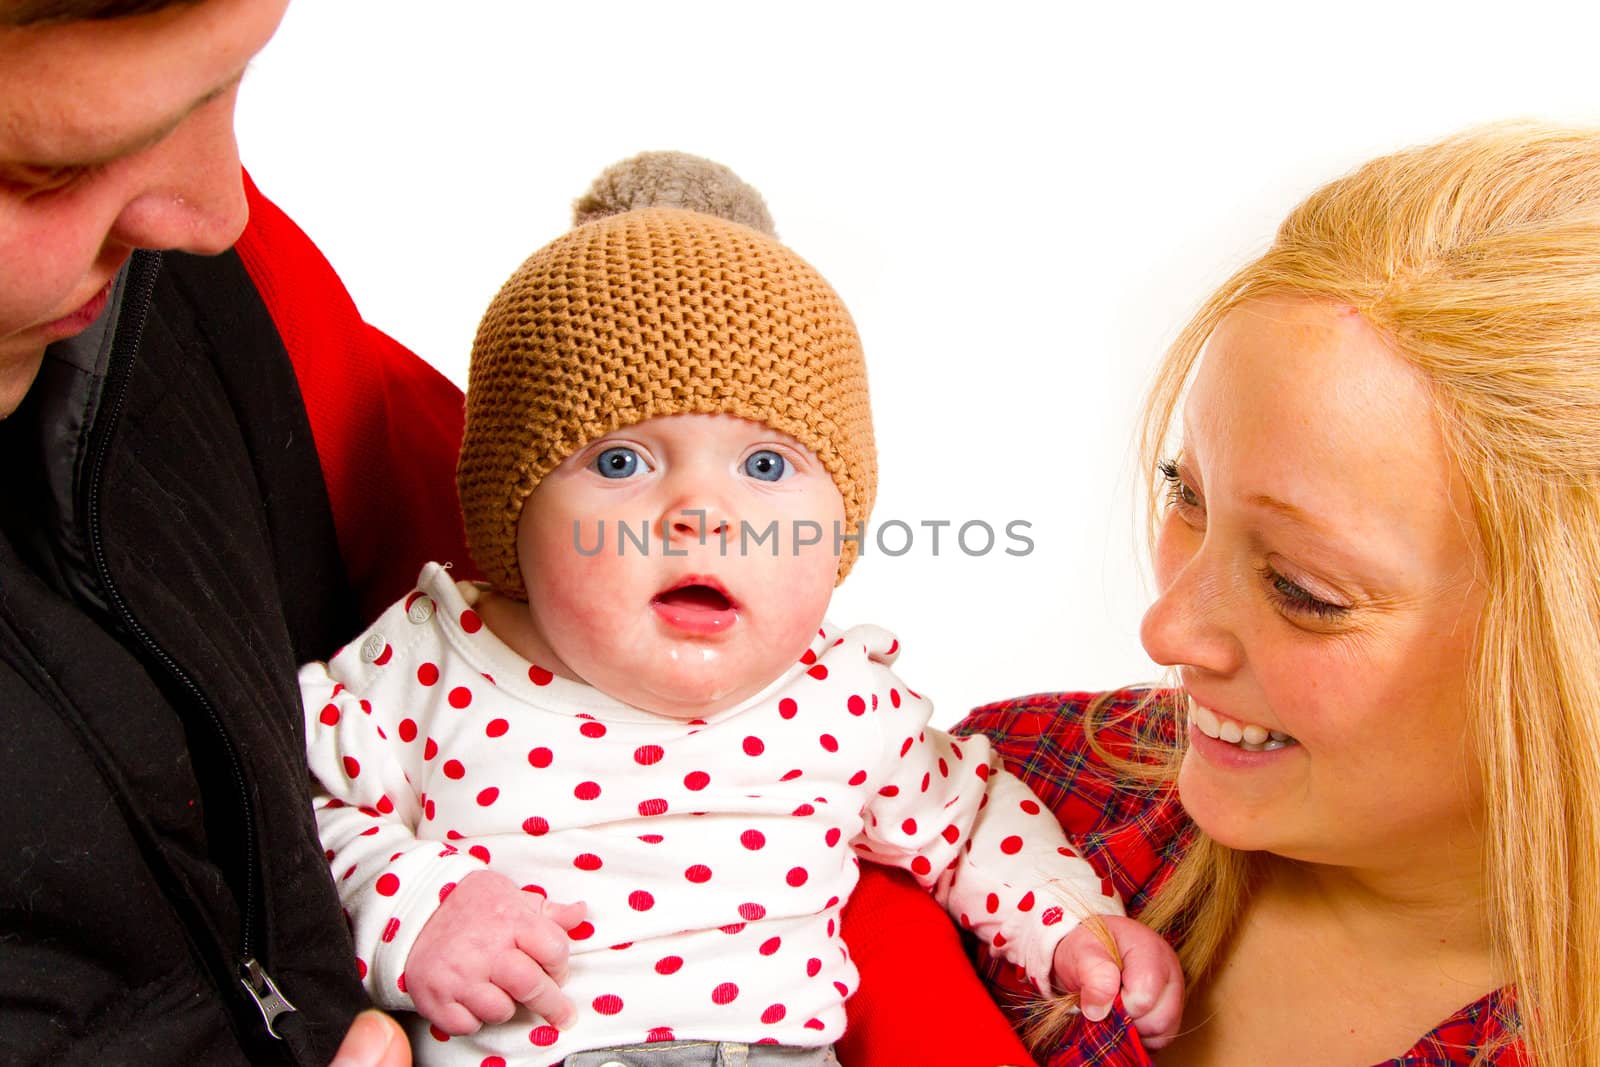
{"x": 196, "y": 451}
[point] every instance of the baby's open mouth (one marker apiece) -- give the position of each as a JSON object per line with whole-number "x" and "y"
{"x": 695, "y": 597}
{"x": 696, "y": 604}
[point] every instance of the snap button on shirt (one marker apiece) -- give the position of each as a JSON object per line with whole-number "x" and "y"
{"x": 373, "y": 647}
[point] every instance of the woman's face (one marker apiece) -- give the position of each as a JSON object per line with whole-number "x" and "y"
{"x": 1319, "y": 596}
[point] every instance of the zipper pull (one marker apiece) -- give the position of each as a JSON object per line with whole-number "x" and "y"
{"x": 269, "y": 999}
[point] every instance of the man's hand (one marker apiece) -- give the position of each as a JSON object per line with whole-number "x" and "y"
{"x": 487, "y": 949}
{"x": 374, "y": 1040}
{"x": 1141, "y": 966}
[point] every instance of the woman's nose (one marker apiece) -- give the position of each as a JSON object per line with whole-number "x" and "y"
{"x": 1190, "y": 623}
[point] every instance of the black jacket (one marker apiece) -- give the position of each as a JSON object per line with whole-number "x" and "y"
{"x": 169, "y": 558}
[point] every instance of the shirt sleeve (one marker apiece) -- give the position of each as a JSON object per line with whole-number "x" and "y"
{"x": 975, "y": 836}
{"x": 389, "y": 881}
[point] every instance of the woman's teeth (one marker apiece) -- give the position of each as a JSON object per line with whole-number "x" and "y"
{"x": 1248, "y": 736}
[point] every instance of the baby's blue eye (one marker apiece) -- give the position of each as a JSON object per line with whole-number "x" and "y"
{"x": 617, "y": 463}
{"x": 765, "y": 465}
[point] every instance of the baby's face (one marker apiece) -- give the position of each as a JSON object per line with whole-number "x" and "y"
{"x": 702, "y": 617}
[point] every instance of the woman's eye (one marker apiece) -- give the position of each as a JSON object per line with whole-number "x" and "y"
{"x": 766, "y": 466}
{"x": 1179, "y": 494}
{"x": 1291, "y": 597}
{"x": 617, "y": 463}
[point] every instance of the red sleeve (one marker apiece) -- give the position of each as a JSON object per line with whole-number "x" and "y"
{"x": 387, "y": 426}
{"x": 920, "y": 1000}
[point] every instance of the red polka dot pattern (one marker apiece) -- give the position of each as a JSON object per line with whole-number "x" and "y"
{"x": 713, "y": 797}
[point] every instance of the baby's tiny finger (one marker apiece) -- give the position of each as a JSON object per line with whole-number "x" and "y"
{"x": 566, "y": 915}
{"x": 518, "y": 976}
{"x": 547, "y": 944}
{"x": 554, "y": 1005}
{"x": 488, "y": 1003}
{"x": 1098, "y": 989}
{"x": 1160, "y": 1024}
{"x": 454, "y": 1019}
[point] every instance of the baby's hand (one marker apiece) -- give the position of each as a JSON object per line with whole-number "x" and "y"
{"x": 489, "y": 947}
{"x": 1148, "y": 977}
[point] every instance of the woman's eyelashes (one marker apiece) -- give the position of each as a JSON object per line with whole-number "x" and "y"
{"x": 1287, "y": 595}
{"x": 1180, "y": 494}
{"x": 1294, "y": 598}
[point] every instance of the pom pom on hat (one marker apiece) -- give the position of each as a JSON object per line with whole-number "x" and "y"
{"x": 674, "y": 179}
{"x": 644, "y": 309}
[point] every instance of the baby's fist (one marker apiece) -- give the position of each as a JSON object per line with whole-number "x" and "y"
{"x": 487, "y": 949}
{"x": 1148, "y": 976}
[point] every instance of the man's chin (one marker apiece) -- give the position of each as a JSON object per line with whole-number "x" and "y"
{"x": 19, "y": 365}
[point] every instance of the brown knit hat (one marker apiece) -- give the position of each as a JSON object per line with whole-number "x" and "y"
{"x": 655, "y": 311}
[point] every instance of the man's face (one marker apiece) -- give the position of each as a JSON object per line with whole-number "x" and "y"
{"x": 114, "y": 135}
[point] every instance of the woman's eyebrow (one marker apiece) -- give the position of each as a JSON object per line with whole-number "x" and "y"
{"x": 1293, "y": 512}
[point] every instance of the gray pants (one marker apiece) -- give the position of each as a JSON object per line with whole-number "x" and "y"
{"x": 703, "y": 1054}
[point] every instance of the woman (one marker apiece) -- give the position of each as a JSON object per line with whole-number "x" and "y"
{"x": 1369, "y": 808}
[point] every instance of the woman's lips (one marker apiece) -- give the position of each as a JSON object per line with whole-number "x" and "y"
{"x": 77, "y": 321}
{"x": 696, "y": 607}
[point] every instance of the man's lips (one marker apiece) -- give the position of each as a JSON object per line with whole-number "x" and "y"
{"x": 697, "y": 604}
{"x": 76, "y": 322}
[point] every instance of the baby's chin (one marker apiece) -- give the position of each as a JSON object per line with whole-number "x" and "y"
{"x": 685, "y": 699}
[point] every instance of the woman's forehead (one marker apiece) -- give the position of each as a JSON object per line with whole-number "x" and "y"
{"x": 1302, "y": 410}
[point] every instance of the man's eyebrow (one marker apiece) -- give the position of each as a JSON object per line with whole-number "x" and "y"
{"x": 135, "y": 145}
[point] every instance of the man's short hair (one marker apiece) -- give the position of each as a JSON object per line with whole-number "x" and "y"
{"x": 28, "y": 12}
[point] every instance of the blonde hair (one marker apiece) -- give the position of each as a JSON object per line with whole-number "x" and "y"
{"x": 1479, "y": 259}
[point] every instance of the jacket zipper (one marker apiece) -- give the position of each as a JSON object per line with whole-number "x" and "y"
{"x": 130, "y": 332}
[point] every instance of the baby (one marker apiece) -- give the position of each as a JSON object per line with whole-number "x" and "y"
{"x": 615, "y": 799}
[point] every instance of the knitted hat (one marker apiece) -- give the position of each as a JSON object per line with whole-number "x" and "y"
{"x": 656, "y": 311}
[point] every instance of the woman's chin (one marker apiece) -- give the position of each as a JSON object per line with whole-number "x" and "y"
{"x": 1225, "y": 816}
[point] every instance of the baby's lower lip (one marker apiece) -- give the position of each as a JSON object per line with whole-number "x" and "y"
{"x": 699, "y": 619}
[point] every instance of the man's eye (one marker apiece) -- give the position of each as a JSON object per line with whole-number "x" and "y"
{"x": 31, "y": 180}
{"x": 617, "y": 463}
{"x": 766, "y": 466}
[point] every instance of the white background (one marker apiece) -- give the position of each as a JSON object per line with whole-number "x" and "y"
{"x": 1021, "y": 203}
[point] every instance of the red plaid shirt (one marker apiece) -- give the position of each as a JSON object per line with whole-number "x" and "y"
{"x": 1136, "y": 838}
